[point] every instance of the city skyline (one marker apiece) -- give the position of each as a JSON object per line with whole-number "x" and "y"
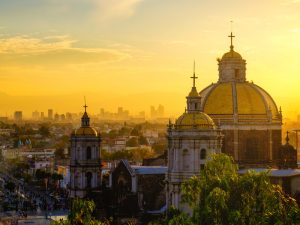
{"x": 138, "y": 51}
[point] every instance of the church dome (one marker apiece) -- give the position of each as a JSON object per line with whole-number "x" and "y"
{"x": 86, "y": 131}
{"x": 241, "y": 98}
{"x": 231, "y": 55}
{"x": 197, "y": 120}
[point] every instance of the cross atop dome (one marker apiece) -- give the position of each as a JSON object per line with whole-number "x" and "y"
{"x": 231, "y": 37}
{"x": 85, "y": 106}
{"x": 85, "y": 120}
{"x": 194, "y": 77}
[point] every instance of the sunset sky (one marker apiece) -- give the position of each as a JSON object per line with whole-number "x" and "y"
{"x": 137, "y": 53}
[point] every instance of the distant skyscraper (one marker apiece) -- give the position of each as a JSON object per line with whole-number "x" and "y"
{"x": 160, "y": 111}
{"x": 152, "y": 112}
{"x": 50, "y": 114}
{"x": 56, "y": 116}
{"x": 35, "y": 115}
{"x": 42, "y": 115}
{"x": 69, "y": 116}
{"x": 18, "y": 116}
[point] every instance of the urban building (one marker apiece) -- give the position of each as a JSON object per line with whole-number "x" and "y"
{"x": 50, "y": 114}
{"x": 18, "y": 116}
{"x": 85, "y": 164}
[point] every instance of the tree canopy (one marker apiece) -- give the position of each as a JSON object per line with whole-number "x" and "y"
{"x": 81, "y": 214}
{"x": 219, "y": 195}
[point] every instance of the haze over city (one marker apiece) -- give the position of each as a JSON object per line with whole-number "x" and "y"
{"x": 137, "y": 53}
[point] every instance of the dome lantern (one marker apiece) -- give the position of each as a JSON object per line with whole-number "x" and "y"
{"x": 232, "y": 67}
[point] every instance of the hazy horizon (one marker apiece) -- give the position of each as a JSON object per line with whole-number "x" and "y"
{"x": 138, "y": 53}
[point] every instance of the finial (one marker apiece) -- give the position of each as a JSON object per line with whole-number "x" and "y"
{"x": 170, "y": 123}
{"x": 194, "y": 75}
{"x": 185, "y": 109}
{"x": 231, "y": 37}
{"x": 280, "y": 111}
{"x": 287, "y": 137}
{"x": 85, "y": 106}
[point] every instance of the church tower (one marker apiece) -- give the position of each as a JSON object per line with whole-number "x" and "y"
{"x": 85, "y": 164}
{"x": 191, "y": 141}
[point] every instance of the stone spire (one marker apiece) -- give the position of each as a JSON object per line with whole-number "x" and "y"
{"x": 85, "y": 119}
{"x": 193, "y": 99}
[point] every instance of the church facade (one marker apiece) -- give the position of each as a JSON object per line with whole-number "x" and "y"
{"x": 85, "y": 164}
{"x": 245, "y": 112}
{"x": 191, "y": 140}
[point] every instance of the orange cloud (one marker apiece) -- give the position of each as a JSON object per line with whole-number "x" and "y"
{"x": 52, "y": 50}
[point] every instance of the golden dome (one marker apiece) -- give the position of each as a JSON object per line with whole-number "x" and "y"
{"x": 86, "y": 131}
{"x": 231, "y": 54}
{"x": 241, "y": 98}
{"x": 198, "y": 120}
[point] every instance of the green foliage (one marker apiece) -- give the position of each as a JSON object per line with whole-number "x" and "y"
{"x": 57, "y": 176}
{"x": 159, "y": 148}
{"x": 174, "y": 217}
{"x": 41, "y": 174}
{"x": 132, "y": 142}
{"x": 143, "y": 140}
{"x": 59, "y": 153}
{"x": 124, "y": 154}
{"x": 136, "y": 131}
{"x": 10, "y": 186}
{"x": 221, "y": 196}
{"x": 137, "y": 154}
{"x": 81, "y": 214}
{"x": 44, "y": 130}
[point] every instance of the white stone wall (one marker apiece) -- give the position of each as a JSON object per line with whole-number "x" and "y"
{"x": 184, "y": 161}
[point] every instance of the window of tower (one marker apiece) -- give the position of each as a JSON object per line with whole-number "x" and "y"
{"x": 88, "y": 179}
{"x": 203, "y": 154}
{"x": 196, "y": 105}
{"x": 185, "y": 158}
{"x": 88, "y": 153}
{"x": 252, "y": 149}
{"x": 236, "y": 73}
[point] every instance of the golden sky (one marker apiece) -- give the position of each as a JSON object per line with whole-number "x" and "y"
{"x": 137, "y": 53}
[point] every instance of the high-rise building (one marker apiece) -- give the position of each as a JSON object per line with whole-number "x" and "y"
{"x": 50, "y": 114}
{"x": 35, "y": 115}
{"x": 18, "y": 116}
{"x": 152, "y": 112}
{"x": 42, "y": 115}
{"x": 160, "y": 111}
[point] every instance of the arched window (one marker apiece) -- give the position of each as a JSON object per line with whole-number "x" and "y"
{"x": 203, "y": 154}
{"x": 236, "y": 73}
{"x": 88, "y": 153}
{"x": 185, "y": 159}
{"x": 89, "y": 176}
{"x": 252, "y": 148}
